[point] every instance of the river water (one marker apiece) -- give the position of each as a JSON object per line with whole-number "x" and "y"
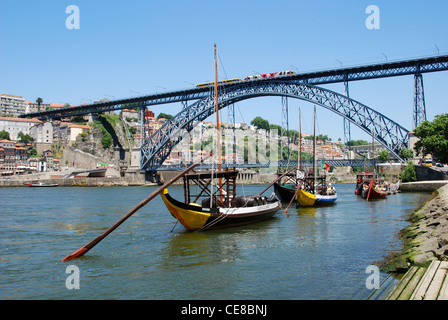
{"x": 314, "y": 253}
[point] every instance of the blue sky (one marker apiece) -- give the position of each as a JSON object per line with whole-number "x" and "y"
{"x": 128, "y": 48}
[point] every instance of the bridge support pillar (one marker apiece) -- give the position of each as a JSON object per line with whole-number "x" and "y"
{"x": 419, "y": 100}
{"x": 91, "y": 117}
{"x": 347, "y": 133}
{"x": 142, "y": 120}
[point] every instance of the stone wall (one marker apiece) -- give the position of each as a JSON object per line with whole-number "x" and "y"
{"x": 426, "y": 238}
{"x": 79, "y": 158}
{"x": 422, "y": 185}
{"x": 428, "y": 173}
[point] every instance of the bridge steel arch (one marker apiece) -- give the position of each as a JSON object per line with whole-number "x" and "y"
{"x": 387, "y": 132}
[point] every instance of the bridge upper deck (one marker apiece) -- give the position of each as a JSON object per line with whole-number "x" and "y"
{"x": 382, "y": 70}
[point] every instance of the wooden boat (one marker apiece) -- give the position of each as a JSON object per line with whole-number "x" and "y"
{"x": 314, "y": 190}
{"x": 374, "y": 188}
{"x": 285, "y": 192}
{"x": 313, "y": 193}
{"x": 40, "y": 184}
{"x": 374, "y": 191}
{"x": 361, "y": 178}
{"x": 218, "y": 208}
{"x": 286, "y": 185}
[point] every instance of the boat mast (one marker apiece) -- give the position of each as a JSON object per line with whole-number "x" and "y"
{"x": 373, "y": 153}
{"x": 314, "y": 150}
{"x": 300, "y": 141}
{"x": 218, "y": 124}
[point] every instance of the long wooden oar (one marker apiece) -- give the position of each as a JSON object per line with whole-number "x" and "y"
{"x": 95, "y": 241}
{"x": 370, "y": 188}
{"x": 292, "y": 200}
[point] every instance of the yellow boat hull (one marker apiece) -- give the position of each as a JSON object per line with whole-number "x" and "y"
{"x": 193, "y": 216}
{"x": 307, "y": 199}
{"x": 190, "y": 218}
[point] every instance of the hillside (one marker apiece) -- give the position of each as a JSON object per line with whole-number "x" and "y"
{"x": 105, "y": 141}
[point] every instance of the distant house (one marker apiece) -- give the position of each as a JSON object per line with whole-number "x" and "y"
{"x": 34, "y": 164}
{"x": 67, "y": 131}
{"x": 130, "y": 114}
{"x": 32, "y": 107}
{"x": 13, "y": 157}
{"x": 15, "y": 125}
{"x": 77, "y": 129}
{"x": 7, "y": 155}
{"x": 42, "y": 132}
{"x": 47, "y": 162}
{"x": 241, "y": 125}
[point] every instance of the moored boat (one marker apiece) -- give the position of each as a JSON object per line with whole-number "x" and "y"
{"x": 40, "y": 184}
{"x": 361, "y": 178}
{"x": 314, "y": 190}
{"x": 374, "y": 190}
{"x": 285, "y": 192}
{"x": 313, "y": 194}
{"x": 286, "y": 186}
{"x": 223, "y": 208}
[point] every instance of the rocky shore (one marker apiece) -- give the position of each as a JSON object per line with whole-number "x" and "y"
{"x": 426, "y": 239}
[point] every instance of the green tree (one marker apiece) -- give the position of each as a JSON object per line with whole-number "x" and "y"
{"x": 4, "y": 135}
{"x": 322, "y": 137}
{"x": 106, "y": 140}
{"x": 25, "y": 138}
{"x": 164, "y": 115}
{"x": 357, "y": 143}
{"x": 260, "y": 123}
{"x": 39, "y": 102}
{"x": 274, "y": 127}
{"x": 409, "y": 173}
{"x": 33, "y": 152}
{"x": 384, "y": 155}
{"x": 406, "y": 153}
{"x": 433, "y": 138}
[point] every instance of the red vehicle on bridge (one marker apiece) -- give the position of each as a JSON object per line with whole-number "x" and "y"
{"x": 269, "y": 75}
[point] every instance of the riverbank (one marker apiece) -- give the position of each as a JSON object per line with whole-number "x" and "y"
{"x": 80, "y": 182}
{"x": 426, "y": 239}
{"x": 79, "y": 177}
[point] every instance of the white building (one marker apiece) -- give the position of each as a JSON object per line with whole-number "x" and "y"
{"x": 42, "y": 132}
{"x": 32, "y": 107}
{"x": 15, "y": 125}
{"x": 10, "y": 104}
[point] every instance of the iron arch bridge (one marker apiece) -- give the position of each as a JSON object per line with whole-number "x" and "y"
{"x": 387, "y": 132}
